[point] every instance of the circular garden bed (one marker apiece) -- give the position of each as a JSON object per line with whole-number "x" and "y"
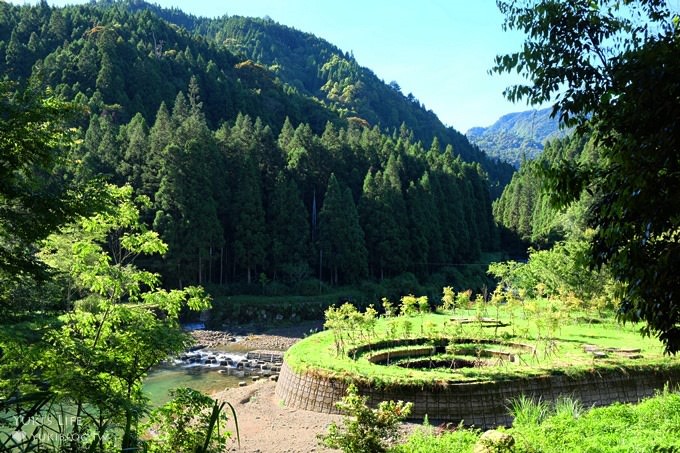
{"x": 472, "y": 378}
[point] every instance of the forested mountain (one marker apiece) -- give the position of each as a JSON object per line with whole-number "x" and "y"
{"x": 316, "y": 68}
{"x": 311, "y": 66}
{"x": 256, "y": 169}
{"x": 524, "y": 208}
{"x": 253, "y": 66}
{"x": 517, "y": 136}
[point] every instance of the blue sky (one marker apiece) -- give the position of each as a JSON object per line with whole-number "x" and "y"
{"x": 439, "y": 50}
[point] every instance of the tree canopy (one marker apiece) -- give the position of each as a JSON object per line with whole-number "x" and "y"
{"x": 34, "y": 201}
{"x": 611, "y": 67}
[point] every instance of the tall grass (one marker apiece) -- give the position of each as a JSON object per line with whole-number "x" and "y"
{"x": 527, "y": 411}
{"x": 653, "y": 425}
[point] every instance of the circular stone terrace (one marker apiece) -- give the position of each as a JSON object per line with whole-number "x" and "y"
{"x": 471, "y": 379}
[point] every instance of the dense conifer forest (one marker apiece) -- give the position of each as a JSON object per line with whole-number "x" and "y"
{"x": 264, "y": 152}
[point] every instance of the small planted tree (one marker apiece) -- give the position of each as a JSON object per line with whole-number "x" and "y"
{"x": 448, "y": 299}
{"x": 349, "y": 324}
{"x": 409, "y": 305}
{"x": 412, "y": 305}
{"x": 365, "y": 430}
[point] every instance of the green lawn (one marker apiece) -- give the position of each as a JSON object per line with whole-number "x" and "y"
{"x": 560, "y": 350}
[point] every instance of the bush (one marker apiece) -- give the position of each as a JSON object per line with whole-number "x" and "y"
{"x": 191, "y": 422}
{"x": 310, "y": 287}
{"x": 365, "y": 430}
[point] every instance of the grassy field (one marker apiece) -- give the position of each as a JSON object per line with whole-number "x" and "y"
{"x": 558, "y": 341}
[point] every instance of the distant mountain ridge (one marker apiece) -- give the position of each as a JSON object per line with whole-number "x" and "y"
{"x": 517, "y": 136}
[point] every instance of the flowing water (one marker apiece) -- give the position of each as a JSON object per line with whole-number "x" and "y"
{"x": 206, "y": 370}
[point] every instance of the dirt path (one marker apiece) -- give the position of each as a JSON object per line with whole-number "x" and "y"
{"x": 266, "y": 426}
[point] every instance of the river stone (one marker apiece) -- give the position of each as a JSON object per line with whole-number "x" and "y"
{"x": 493, "y": 441}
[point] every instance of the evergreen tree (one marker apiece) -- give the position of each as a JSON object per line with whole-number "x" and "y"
{"x": 289, "y": 231}
{"x": 160, "y": 137}
{"x": 384, "y": 219}
{"x": 424, "y": 229}
{"x": 286, "y": 135}
{"x": 340, "y": 236}
{"x": 134, "y": 140}
{"x": 250, "y": 240}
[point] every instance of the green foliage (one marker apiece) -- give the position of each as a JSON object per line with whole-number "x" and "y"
{"x": 602, "y": 73}
{"x": 190, "y": 423}
{"x": 325, "y": 72}
{"x": 561, "y": 275}
{"x": 525, "y": 207}
{"x": 463, "y": 298}
{"x": 340, "y": 235}
{"x": 527, "y": 411}
{"x": 349, "y": 325}
{"x": 235, "y": 202}
{"x": 365, "y": 430}
{"x": 290, "y": 231}
{"x": 389, "y": 308}
{"x": 35, "y": 200}
{"x": 409, "y": 305}
{"x": 448, "y": 299}
{"x": 619, "y": 427}
{"x": 427, "y": 439}
{"x": 646, "y": 426}
{"x": 118, "y": 325}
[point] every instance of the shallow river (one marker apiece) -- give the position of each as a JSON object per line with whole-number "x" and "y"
{"x": 160, "y": 381}
{"x": 195, "y": 373}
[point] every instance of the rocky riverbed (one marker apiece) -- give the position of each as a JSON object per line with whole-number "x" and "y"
{"x": 244, "y": 339}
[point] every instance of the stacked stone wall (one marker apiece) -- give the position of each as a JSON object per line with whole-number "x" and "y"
{"x": 483, "y": 404}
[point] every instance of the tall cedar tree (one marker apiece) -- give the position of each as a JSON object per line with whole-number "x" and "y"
{"x": 289, "y": 230}
{"x": 341, "y": 238}
{"x": 250, "y": 238}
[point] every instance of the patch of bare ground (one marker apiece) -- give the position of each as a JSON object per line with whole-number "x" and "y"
{"x": 266, "y": 425}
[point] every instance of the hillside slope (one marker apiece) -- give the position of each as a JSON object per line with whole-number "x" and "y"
{"x": 251, "y": 177}
{"x": 517, "y": 136}
{"x": 314, "y": 68}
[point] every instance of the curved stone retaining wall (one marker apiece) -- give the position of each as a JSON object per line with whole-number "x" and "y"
{"x": 483, "y": 404}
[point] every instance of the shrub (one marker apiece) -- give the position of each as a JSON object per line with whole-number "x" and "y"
{"x": 190, "y": 422}
{"x": 365, "y": 430}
